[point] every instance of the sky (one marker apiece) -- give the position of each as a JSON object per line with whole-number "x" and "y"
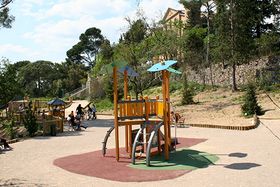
{"x": 46, "y": 29}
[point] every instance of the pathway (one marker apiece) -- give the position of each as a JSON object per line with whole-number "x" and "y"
{"x": 246, "y": 158}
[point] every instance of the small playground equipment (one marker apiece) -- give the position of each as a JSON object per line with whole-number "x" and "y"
{"x": 57, "y": 107}
{"x": 150, "y": 114}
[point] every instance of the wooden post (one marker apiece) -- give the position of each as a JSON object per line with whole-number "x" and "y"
{"x": 115, "y": 77}
{"x": 168, "y": 107}
{"x": 125, "y": 97}
{"x": 166, "y": 138}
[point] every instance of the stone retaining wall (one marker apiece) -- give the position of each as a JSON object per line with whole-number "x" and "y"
{"x": 222, "y": 75}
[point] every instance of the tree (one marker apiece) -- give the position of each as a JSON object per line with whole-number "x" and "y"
{"x": 234, "y": 26}
{"x": 29, "y": 120}
{"x": 134, "y": 49}
{"x": 209, "y": 14}
{"x": 194, "y": 50}
{"x": 37, "y": 78}
{"x": 264, "y": 9}
{"x": 193, "y": 8}
{"x": 105, "y": 56}
{"x": 188, "y": 93}
{"x": 250, "y": 106}
{"x": 9, "y": 83}
{"x": 85, "y": 51}
{"x": 5, "y": 18}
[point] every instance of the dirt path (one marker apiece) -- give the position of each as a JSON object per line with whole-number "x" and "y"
{"x": 74, "y": 106}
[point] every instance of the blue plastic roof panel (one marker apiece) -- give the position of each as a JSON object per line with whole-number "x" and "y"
{"x": 173, "y": 70}
{"x": 130, "y": 71}
{"x": 162, "y": 65}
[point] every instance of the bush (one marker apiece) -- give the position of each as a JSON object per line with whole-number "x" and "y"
{"x": 174, "y": 86}
{"x": 103, "y": 105}
{"x": 188, "y": 93}
{"x": 29, "y": 121}
{"x": 250, "y": 106}
{"x": 8, "y": 128}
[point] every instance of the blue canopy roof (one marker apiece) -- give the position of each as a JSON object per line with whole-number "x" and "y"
{"x": 162, "y": 65}
{"x": 130, "y": 71}
{"x": 56, "y": 102}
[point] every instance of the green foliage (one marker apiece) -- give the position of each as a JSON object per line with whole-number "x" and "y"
{"x": 188, "y": 93}
{"x": 194, "y": 12}
{"x": 250, "y": 104}
{"x": 268, "y": 44}
{"x": 174, "y": 86}
{"x": 109, "y": 89}
{"x": 5, "y": 18}
{"x": 9, "y": 82}
{"x": 29, "y": 121}
{"x": 86, "y": 49}
{"x": 135, "y": 49}
{"x": 104, "y": 105}
{"x": 193, "y": 48}
{"x": 8, "y": 127}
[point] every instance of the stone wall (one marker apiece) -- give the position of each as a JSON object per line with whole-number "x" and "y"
{"x": 254, "y": 70}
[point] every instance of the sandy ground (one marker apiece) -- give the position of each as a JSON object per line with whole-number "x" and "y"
{"x": 30, "y": 163}
{"x": 223, "y": 107}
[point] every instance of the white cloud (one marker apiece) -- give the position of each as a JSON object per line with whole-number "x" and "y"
{"x": 11, "y": 48}
{"x": 59, "y": 23}
{"x": 18, "y": 52}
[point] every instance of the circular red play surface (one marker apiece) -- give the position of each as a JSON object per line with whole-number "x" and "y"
{"x": 94, "y": 164}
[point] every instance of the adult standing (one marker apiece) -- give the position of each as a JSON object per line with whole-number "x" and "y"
{"x": 94, "y": 111}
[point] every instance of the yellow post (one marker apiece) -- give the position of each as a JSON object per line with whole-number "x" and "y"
{"x": 115, "y": 77}
{"x": 158, "y": 133}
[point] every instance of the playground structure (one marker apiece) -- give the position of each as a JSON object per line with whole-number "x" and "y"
{"x": 57, "y": 107}
{"x": 150, "y": 114}
{"x": 46, "y": 113}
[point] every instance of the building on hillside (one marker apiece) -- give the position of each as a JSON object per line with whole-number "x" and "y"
{"x": 173, "y": 20}
{"x": 173, "y": 17}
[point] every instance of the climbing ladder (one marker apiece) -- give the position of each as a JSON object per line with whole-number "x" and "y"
{"x": 153, "y": 139}
{"x": 104, "y": 143}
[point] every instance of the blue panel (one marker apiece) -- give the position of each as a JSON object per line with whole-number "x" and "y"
{"x": 162, "y": 65}
{"x": 173, "y": 70}
{"x": 130, "y": 71}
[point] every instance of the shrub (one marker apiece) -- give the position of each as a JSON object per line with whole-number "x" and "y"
{"x": 29, "y": 121}
{"x": 188, "y": 93}
{"x": 250, "y": 106}
{"x": 103, "y": 105}
{"x": 8, "y": 127}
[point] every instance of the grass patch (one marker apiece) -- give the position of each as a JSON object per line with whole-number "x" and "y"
{"x": 104, "y": 105}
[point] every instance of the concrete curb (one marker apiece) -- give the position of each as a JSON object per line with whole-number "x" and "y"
{"x": 255, "y": 124}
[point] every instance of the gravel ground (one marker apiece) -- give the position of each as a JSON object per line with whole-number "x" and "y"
{"x": 247, "y": 158}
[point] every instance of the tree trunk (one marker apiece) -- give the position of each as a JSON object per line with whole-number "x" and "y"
{"x": 232, "y": 6}
{"x": 234, "y": 87}
{"x": 208, "y": 44}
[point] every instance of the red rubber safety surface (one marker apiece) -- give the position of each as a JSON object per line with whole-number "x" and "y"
{"x": 95, "y": 165}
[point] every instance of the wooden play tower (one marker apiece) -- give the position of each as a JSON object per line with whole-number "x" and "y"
{"x": 150, "y": 114}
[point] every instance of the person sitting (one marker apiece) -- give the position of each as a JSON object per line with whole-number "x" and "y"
{"x": 75, "y": 121}
{"x": 21, "y": 108}
{"x": 177, "y": 118}
{"x": 5, "y": 144}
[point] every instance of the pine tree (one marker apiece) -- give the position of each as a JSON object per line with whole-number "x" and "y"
{"x": 187, "y": 93}
{"x": 250, "y": 106}
{"x": 29, "y": 121}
